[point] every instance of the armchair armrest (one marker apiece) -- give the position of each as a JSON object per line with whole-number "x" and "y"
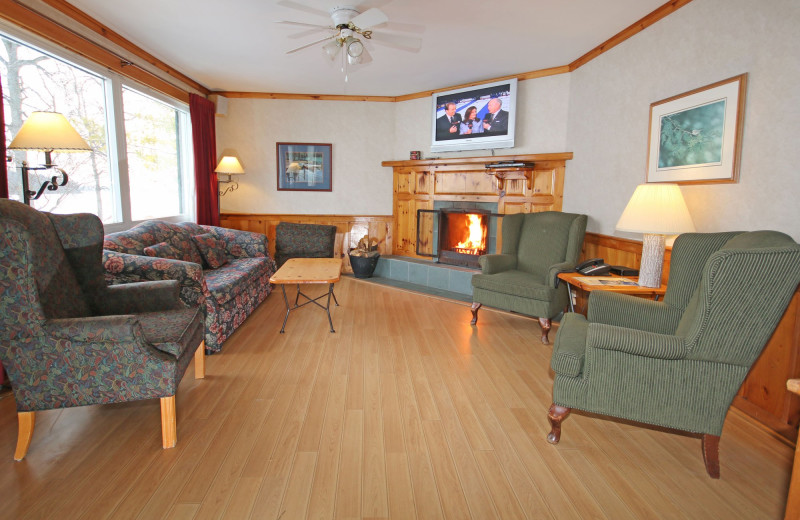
{"x": 95, "y": 329}
{"x": 635, "y": 342}
{"x": 552, "y": 272}
{"x": 133, "y": 298}
{"x": 188, "y": 274}
{"x": 242, "y": 244}
{"x": 624, "y": 310}
{"x": 491, "y": 264}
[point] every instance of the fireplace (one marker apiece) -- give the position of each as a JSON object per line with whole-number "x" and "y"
{"x": 462, "y": 236}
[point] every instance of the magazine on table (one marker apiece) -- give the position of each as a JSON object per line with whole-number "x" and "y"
{"x": 607, "y": 280}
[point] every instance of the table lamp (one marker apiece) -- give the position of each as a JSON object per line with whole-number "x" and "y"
{"x": 656, "y": 210}
{"x": 49, "y": 132}
{"x": 229, "y": 165}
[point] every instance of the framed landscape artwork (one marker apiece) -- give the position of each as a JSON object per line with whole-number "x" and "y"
{"x": 696, "y": 137}
{"x": 304, "y": 167}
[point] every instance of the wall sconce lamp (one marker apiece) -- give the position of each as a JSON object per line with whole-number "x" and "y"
{"x": 49, "y": 132}
{"x": 229, "y": 165}
{"x": 655, "y": 210}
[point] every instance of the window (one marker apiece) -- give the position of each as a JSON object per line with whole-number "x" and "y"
{"x": 146, "y": 173}
{"x": 152, "y": 138}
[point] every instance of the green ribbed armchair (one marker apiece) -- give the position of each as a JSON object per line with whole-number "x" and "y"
{"x": 678, "y": 363}
{"x": 536, "y": 247}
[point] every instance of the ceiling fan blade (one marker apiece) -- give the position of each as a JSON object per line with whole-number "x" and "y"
{"x": 306, "y": 34}
{"x": 404, "y": 27}
{"x": 310, "y": 44}
{"x": 369, "y": 18}
{"x": 291, "y": 4}
{"x": 406, "y": 43}
{"x": 302, "y": 24}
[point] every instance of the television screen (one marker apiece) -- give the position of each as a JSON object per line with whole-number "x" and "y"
{"x": 474, "y": 118}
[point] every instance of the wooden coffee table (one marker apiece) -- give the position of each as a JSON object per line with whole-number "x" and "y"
{"x": 299, "y": 271}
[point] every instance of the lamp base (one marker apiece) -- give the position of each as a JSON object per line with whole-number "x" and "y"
{"x": 652, "y": 260}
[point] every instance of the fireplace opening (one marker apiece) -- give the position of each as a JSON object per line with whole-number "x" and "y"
{"x": 462, "y": 236}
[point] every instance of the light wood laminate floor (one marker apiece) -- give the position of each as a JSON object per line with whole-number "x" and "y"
{"x": 405, "y": 412}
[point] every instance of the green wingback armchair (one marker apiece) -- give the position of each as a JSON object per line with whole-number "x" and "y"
{"x": 678, "y": 363}
{"x": 522, "y": 278}
{"x": 68, "y": 339}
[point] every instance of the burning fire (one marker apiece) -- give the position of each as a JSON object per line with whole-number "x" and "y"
{"x": 475, "y": 242}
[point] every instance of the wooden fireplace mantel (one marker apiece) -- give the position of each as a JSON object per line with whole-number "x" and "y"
{"x": 418, "y": 184}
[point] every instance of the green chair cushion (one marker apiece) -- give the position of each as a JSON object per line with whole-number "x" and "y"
{"x": 515, "y": 283}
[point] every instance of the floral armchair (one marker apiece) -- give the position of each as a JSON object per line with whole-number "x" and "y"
{"x": 67, "y": 339}
{"x": 228, "y": 286}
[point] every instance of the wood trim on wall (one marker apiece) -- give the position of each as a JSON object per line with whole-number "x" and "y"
{"x": 104, "y": 31}
{"x": 630, "y": 31}
{"x": 51, "y": 30}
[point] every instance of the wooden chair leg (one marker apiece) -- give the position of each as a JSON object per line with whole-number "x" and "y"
{"x": 169, "y": 428}
{"x": 555, "y": 415}
{"x": 200, "y": 361}
{"x": 27, "y": 420}
{"x": 474, "y": 309}
{"x": 545, "y": 324}
{"x": 711, "y": 454}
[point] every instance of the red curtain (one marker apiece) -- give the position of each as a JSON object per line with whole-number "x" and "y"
{"x": 3, "y": 165}
{"x": 205, "y": 159}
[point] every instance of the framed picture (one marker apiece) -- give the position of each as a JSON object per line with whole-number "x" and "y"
{"x": 304, "y": 167}
{"x": 696, "y": 137}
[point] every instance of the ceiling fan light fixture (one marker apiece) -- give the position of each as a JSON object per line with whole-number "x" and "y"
{"x": 354, "y": 49}
{"x": 332, "y": 49}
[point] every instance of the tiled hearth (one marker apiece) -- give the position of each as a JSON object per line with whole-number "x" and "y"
{"x": 426, "y": 276}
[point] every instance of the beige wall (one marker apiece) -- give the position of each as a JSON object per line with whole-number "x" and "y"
{"x": 600, "y": 112}
{"x": 703, "y": 42}
{"x": 362, "y": 135}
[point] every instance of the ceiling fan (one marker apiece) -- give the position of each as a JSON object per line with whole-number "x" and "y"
{"x": 349, "y": 28}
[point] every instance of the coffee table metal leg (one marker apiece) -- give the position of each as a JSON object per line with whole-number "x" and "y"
{"x": 328, "y": 306}
{"x": 286, "y": 301}
{"x": 297, "y": 296}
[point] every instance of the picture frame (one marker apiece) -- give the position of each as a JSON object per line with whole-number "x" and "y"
{"x": 696, "y": 137}
{"x": 305, "y": 166}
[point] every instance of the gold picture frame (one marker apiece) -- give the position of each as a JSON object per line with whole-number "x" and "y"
{"x": 696, "y": 137}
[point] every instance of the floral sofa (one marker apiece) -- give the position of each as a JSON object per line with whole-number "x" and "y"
{"x": 226, "y": 271}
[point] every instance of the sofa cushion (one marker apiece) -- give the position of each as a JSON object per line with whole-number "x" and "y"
{"x": 163, "y": 250}
{"x": 211, "y": 249}
{"x": 230, "y": 280}
{"x": 515, "y": 283}
{"x": 151, "y": 232}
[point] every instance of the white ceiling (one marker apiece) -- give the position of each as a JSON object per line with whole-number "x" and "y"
{"x": 236, "y": 46}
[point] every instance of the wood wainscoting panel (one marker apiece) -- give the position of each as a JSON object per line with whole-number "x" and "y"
{"x": 349, "y": 229}
{"x": 763, "y": 395}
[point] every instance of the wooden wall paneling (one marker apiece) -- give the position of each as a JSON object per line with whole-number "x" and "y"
{"x": 763, "y": 394}
{"x": 349, "y": 229}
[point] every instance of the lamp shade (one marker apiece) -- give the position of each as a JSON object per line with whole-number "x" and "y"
{"x": 229, "y": 165}
{"x": 657, "y": 209}
{"x": 48, "y": 131}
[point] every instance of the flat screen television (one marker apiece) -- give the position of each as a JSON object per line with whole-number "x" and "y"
{"x": 474, "y": 118}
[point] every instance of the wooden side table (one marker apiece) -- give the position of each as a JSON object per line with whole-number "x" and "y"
{"x": 579, "y": 286}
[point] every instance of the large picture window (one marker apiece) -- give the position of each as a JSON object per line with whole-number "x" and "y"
{"x": 139, "y": 166}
